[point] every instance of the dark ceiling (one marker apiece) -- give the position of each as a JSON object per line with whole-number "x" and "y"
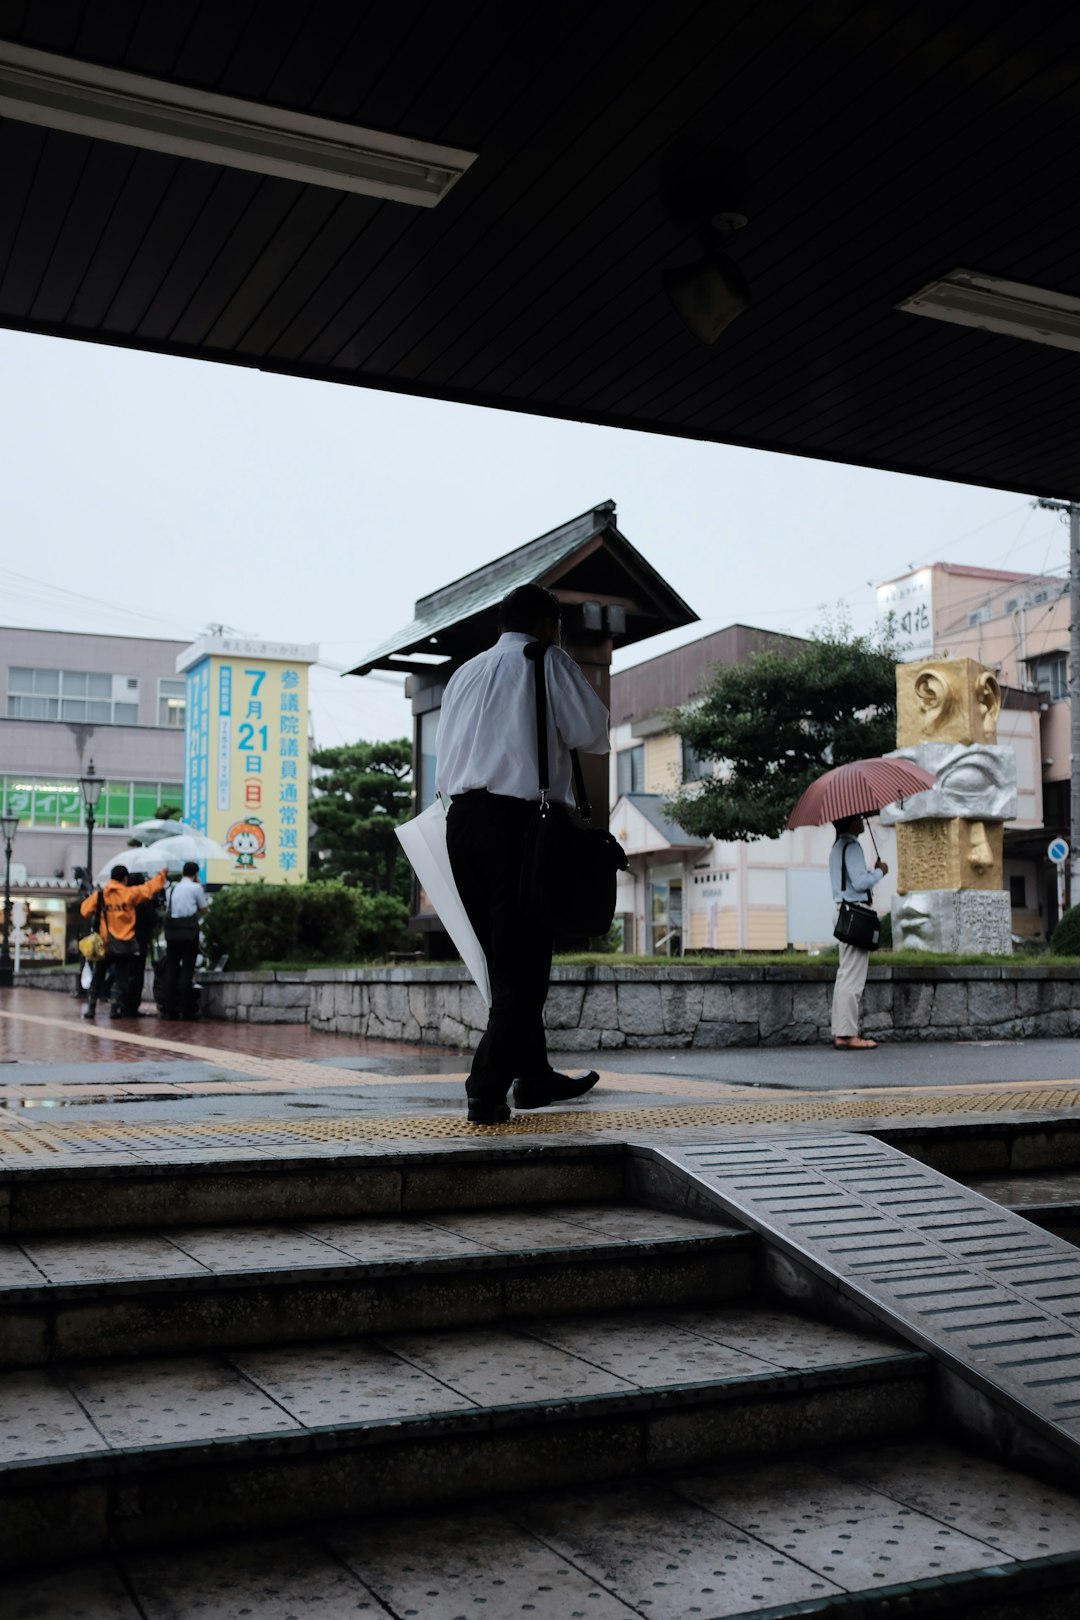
{"x": 874, "y": 146}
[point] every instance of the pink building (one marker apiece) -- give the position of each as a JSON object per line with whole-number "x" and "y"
{"x": 67, "y": 698}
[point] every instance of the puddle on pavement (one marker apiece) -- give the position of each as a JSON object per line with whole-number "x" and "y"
{"x": 14, "y": 1104}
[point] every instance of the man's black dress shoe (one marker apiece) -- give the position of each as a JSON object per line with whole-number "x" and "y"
{"x": 487, "y": 1113}
{"x": 553, "y": 1088}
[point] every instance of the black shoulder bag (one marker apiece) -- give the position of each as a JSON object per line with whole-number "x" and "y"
{"x": 855, "y": 924}
{"x": 568, "y": 871}
{"x": 180, "y": 930}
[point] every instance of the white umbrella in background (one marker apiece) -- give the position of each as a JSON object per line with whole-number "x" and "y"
{"x": 168, "y": 852}
{"x": 424, "y": 842}
{"x": 149, "y": 832}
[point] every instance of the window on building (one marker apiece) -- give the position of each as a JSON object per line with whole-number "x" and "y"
{"x": 425, "y": 787}
{"x": 694, "y": 768}
{"x": 84, "y": 697}
{"x": 57, "y": 804}
{"x": 1050, "y": 674}
{"x": 1018, "y": 891}
{"x": 630, "y": 769}
{"x": 172, "y": 703}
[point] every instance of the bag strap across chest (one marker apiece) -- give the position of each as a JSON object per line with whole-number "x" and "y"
{"x": 537, "y": 651}
{"x": 843, "y": 873}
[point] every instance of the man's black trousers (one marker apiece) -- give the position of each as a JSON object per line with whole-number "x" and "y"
{"x": 127, "y": 972}
{"x": 485, "y": 836}
{"x": 180, "y": 957}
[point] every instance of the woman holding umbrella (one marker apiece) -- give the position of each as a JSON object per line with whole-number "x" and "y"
{"x": 843, "y": 796}
{"x": 852, "y": 880}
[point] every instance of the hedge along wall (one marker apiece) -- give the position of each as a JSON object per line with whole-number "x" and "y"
{"x": 589, "y": 1008}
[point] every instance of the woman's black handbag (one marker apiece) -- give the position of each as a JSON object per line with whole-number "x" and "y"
{"x": 856, "y": 925}
{"x": 568, "y": 871}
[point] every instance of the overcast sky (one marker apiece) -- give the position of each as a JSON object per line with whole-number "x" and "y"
{"x": 154, "y": 496}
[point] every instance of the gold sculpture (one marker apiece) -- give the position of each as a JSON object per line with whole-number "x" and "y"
{"x": 946, "y": 700}
{"x": 951, "y": 701}
{"x": 954, "y": 854}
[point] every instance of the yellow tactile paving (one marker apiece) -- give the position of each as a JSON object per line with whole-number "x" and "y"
{"x": 18, "y": 1139}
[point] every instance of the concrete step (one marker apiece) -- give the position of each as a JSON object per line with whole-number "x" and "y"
{"x": 916, "y": 1528}
{"x": 1049, "y": 1198}
{"x": 129, "y": 1454}
{"x": 197, "y": 1288}
{"x": 149, "y": 1187}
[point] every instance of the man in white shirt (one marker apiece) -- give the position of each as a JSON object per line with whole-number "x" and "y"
{"x": 184, "y": 906}
{"x": 487, "y": 766}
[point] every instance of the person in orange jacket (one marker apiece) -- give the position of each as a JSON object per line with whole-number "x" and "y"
{"x": 118, "y": 899}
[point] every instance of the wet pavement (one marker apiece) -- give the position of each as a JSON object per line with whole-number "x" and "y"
{"x": 148, "y": 1073}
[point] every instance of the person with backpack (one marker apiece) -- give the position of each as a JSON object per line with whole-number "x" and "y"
{"x": 113, "y": 907}
{"x": 185, "y": 905}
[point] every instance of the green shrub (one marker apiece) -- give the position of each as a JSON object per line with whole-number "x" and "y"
{"x": 252, "y": 923}
{"x": 885, "y": 942}
{"x": 326, "y": 925}
{"x": 1065, "y": 940}
{"x": 381, "y": 924}
{"x": 306, "y": 922}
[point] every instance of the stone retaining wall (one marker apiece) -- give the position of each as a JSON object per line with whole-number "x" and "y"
{"x": 56, "y": 978}
{"x": 590, "y": 1008}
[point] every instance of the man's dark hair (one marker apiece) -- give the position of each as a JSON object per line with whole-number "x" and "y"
{"x": 119, "y": 874}
{"x": 526, "y": 607}
{"x": 191, "y": 868}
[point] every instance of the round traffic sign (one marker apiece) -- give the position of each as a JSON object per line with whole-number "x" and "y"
{"x": 1058, "y": 851}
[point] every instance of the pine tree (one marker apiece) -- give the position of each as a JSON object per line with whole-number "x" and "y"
{"x": 778, "y": 721}
{"x": 360, "y": 792}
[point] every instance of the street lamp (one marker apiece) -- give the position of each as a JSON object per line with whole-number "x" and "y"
{"x": 90, "y": 787}
{"x": 8, "y": 826}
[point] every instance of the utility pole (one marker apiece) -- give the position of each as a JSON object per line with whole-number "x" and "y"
{"x": 1073, "y": 509}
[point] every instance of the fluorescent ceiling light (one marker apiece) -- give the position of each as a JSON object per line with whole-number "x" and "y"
{"x": 969, "y": 299}
{"x": 59, "y": 92}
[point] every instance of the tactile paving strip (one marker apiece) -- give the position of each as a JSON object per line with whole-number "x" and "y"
{"x": 994, "y": 1297}
{"x": 18, "y": 1139}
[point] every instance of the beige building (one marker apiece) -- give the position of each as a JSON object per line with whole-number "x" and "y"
{"x": 1018, "y": 626}
{"x": 687, "y": 894}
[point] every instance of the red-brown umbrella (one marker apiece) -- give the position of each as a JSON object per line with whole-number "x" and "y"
{"x": 858, "y": 789}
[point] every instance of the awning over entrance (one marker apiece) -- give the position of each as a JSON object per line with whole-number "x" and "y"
{"x": 575, "y": 157}
{"x": 639, "y": 823}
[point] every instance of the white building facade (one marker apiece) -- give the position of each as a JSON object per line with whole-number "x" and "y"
{"x": 689, "y": 894}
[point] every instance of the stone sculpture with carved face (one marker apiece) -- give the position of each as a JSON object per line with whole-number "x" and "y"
{"x": 976, "y": 780}
{"x": 949, "y": 839}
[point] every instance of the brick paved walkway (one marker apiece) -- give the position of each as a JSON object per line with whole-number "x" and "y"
{"x": 48, "y": 1027}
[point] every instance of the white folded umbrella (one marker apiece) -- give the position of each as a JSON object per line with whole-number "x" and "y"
{"x": 424, "y": 842}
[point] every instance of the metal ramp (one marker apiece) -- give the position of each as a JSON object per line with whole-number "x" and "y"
{"x": 857, "y": 1227}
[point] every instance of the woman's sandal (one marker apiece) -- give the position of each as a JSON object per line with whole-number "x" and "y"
{"x": 853, "y": 1043}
